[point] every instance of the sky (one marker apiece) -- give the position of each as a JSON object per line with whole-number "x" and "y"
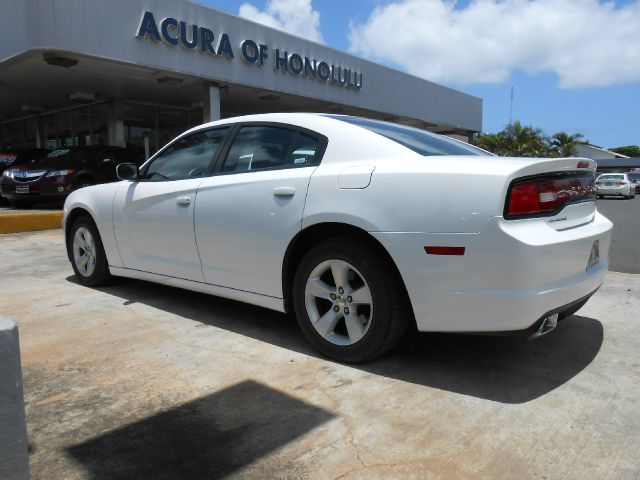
{"x": 573, "y": 65}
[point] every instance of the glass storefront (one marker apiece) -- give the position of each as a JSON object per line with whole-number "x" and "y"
{"x": 147, "y": 127}
{"x": 85, "y": 125}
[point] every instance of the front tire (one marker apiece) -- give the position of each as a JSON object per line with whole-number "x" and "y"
{"x": 86, "y": 252}
{"x": 349, "y": 302}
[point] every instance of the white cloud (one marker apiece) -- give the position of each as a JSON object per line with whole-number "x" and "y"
{"x": 586, "y": 43}
{"x": 296, "y": 17}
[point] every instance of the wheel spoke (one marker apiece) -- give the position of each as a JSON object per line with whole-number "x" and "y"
{"x": 361, "y": 296}
{"x": 89, "y": 242}
{"x": 318, "y": 288}
{"x": 327, "y": 323}
{"x": 82, "y": 263}
{"x": 340, "y": 272}
{"x": 79, "y": 241}
{"x": 355, "y": 329}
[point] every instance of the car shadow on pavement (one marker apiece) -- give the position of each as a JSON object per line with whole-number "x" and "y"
{"x": 209, "y": 437}
{"x": 500, "y": 369}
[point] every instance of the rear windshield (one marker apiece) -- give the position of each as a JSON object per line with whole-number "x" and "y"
{"x": 420, "y": 141}
{"x": 611, "y": 177}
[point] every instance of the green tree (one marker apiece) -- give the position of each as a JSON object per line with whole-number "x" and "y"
{"x": 516, "y": 140}
{"x": 629, "y": 151}
{"x": 564, "y": 145}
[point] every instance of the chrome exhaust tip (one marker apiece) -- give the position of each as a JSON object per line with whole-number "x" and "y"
{"x": 547, "y": 325}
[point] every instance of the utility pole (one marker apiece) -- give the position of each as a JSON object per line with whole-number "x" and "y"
{"x": 511, "y": 107}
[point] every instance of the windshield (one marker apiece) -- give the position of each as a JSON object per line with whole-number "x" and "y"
{"x": 420, "y": 141}
{"x": 611, "y": 177}
{"x": 61, "y": 152}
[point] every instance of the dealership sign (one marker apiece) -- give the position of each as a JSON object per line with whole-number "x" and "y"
{"x": 193, "y": 37}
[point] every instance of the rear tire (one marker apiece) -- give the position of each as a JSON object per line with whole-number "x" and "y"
{"x": 86, "y": 253}
{"x": 349, "y": 302}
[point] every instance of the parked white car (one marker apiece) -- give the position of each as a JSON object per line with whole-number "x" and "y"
{"x": 616, "y": 184}
{"x": 358, "y": 227}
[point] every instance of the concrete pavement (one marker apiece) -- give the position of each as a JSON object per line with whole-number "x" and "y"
{"x": 137, "y": 380}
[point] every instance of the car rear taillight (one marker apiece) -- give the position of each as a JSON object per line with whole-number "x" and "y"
{"x": 548, "y": 194}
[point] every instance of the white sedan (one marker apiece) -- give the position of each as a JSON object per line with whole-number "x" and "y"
{"x": 615, "y": 184}
{"x": 358, "y": 227}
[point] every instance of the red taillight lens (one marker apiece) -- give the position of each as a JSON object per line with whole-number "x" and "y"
{"x": 547, "y": 195}
{"x": 524, "y": 198}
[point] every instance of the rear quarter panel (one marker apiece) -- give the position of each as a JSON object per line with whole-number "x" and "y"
{"x": 410, "y": 194}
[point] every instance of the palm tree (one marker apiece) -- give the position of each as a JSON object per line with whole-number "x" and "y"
{"x": 516, "y": 140}
{"x": 525, "y": 141}
{"x": 563, "y": 144}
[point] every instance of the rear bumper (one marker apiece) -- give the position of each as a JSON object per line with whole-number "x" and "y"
{"x": 536, "y": 328}
{"x": 615, "y": 190}
{"x": 511, "y": 275}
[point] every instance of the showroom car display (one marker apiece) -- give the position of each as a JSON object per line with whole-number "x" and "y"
{"x": 358, "y": 227}
{"x": 615, "y": 184}
{"x": 60, "y": 171}
{"x": 9, "y": 157}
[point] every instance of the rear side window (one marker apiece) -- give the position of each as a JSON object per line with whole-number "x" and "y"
{"x": 305, "y": 150}
{"x": 258, "y": 148}
{"x": 420, "y": 141}
{"x": 189, "y": 157}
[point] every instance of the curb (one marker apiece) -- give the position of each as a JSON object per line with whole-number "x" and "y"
{"x": 29, "y": 222}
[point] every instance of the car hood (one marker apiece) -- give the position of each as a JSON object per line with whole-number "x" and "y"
{"x": 46, "y": 164}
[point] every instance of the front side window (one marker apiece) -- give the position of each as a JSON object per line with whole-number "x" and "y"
{"x": 258, "y": 148}
{"x": 189, "y": 157}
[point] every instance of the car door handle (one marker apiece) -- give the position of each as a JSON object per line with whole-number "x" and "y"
{"x": 183, "y": 201}
{"x": 284, "y": 191}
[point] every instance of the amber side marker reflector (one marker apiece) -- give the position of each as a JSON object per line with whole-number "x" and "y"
{"x": 444, "y": 250}
{"x": 583, "y": 164}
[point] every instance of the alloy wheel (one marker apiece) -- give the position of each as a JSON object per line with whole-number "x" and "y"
{"x": 338, "y": 302}
{"x": 84, "y": 251}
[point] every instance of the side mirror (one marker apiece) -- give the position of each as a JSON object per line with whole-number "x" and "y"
{"x": 127, "y": 171}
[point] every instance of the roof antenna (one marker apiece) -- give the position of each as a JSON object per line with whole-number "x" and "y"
{"x": 511, "y": 107}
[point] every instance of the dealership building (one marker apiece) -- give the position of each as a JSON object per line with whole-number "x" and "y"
{"x": 136, "y": 73}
